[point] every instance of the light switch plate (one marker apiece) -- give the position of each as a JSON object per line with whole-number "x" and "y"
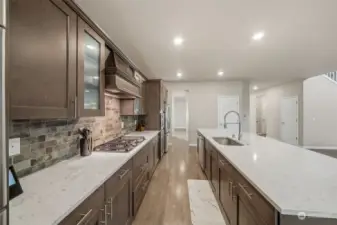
{"x": 14, "y": 146}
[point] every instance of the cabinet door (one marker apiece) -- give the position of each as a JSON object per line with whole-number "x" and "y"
{"x": 215, "y": 172}
{"x": 120, "y": 208}
{"x": 206, "y": 161}
{"x": 245, "y": 216}
{"x": 90, "y": 77}
{"x": 42, "y": 59}
{"x": 228, "y": 198}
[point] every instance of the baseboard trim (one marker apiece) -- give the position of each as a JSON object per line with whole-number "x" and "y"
{"x": 192, "y": 145}
{"x": 331, "y": 148}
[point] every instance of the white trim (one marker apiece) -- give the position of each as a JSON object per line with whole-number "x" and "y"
{"x": 180, "y": 94}
{"x": 192, "y": 145}
{"x": 297, "y": 116}
{"x": 331, "y": 148}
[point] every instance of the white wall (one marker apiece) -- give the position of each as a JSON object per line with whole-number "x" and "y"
{"x": 320, "y": 112}
{"x": 202, "y": 100}
{"x": 272, "y": 106}
{"x": 179, "y": 112}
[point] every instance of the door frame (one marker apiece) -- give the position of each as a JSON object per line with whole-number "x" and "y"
{"x": 179, "y": 94}
{"x": 227, "y": 96}
{"x": 297, "y": 117}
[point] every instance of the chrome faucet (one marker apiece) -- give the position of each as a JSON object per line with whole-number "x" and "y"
{"x": 239, "y": 123}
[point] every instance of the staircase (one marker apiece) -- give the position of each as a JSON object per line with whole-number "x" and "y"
{"x": 332, "y": 76}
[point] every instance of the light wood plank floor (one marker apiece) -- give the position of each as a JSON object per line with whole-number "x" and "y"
{"x": 166, "y": 201}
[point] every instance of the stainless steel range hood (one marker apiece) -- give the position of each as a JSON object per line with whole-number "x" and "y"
{"x": 119, "y": 78}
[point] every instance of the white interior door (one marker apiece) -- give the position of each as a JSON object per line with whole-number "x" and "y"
{"x": 226, "y": 104}
{"x": 289, "y": 120}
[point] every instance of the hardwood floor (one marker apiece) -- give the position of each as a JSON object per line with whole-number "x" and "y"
{"x": 166, "y": 201}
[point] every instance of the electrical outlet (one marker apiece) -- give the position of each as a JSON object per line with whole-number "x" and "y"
{"x": 14, "y": 146}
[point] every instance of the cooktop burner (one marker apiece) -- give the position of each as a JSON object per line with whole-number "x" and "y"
{"x": 122, "y": 144}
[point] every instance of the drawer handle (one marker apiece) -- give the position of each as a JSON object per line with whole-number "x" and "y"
{"x": 223, "y": 162}
{"x": 105, "y": 220}
{"x": 123, "y": 174}
{"x": 243, "y": 187}
{"x": 110, "y": 201}
{"x": 85, "y": 217}
{"x": 145, "y": 185}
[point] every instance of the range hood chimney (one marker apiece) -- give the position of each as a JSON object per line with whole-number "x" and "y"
{"x": 119, "y": 78}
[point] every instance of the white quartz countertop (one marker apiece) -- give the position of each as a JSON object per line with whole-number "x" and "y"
{"x": 51, "y": 194}
{"x": 291, "y": 178}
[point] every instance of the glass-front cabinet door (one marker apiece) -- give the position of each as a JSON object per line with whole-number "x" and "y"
{"x": 90, "y": 80}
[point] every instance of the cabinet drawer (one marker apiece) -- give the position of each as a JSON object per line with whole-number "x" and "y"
{"x": 139, "y": 193}
{"x": 260, "y": 207}
{"x": 140, "y": 165}
{"x": 88, "y": 211}
{"x": 115, "y": 182}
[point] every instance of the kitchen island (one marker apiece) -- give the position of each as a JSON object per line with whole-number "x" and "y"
{"x": 270, "y": 182}
{"x": 86, "y": 188}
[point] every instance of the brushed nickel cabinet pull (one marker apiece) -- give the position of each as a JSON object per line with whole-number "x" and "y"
{"x": 84, "y": 217}
{"x": 230, "y": 188}
{"x": 243, "y": 187}
{"x": 123, "y": 173}
{"x": 105, "y": 219}
{"x": 223, "y": 162}
{"x": 110, "y": 201}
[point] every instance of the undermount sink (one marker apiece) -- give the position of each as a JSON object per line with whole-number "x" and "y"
{"x": 226, "y": 141}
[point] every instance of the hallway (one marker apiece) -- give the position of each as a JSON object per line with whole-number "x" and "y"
{"x": 166, "y": 201}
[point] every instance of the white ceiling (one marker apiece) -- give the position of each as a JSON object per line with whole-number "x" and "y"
{"x": 300, "y": 37}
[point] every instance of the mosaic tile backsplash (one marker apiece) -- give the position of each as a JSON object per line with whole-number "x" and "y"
{"x": 46, "y": 142}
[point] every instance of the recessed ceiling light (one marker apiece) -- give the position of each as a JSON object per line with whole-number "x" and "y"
{"x": 90, "y": 47}
{"x": 255, "y": 88}
{"x": 178, "y": 41}
{"x": 220, "y": 73}
{"x": 179, "y": 74}
{"x": 258, "y": 36}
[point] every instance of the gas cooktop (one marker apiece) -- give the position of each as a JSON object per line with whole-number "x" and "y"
{"x": 122, "y": 144}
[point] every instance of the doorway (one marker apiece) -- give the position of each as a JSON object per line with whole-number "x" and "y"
{"x": 226, "y": 104}
{"x": 289, "y": 120}
{"x": 180, "y": 116}
{"x": 261, "y": 126}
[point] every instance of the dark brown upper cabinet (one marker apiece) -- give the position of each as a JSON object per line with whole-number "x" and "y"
{"x": 42, "y": 59}
{"x": 91, "y": 72}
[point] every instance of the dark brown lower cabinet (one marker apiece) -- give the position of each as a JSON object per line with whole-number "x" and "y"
{"x": 215, "y": 171}
{"x": 227, "y": 195}
{"x": 118, "y": 197}
{"x": 207, "y": 163}
{"x": 122, "y": 204}
{"x": 90, "y": 212}
{"x": 245, "y": 216}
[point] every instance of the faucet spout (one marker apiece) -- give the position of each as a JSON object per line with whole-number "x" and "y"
{"x": 239, "y": 123}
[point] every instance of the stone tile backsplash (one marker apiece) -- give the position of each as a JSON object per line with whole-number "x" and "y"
{"x": 46, "y": 142}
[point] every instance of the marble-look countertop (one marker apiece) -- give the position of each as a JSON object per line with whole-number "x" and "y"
{"x": 51, "y": 194}
{"x": 203, "y": 205}
{"x": 291, "y": 178}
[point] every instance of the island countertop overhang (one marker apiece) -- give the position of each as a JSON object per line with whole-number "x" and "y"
{"x": 294, "y": 180}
